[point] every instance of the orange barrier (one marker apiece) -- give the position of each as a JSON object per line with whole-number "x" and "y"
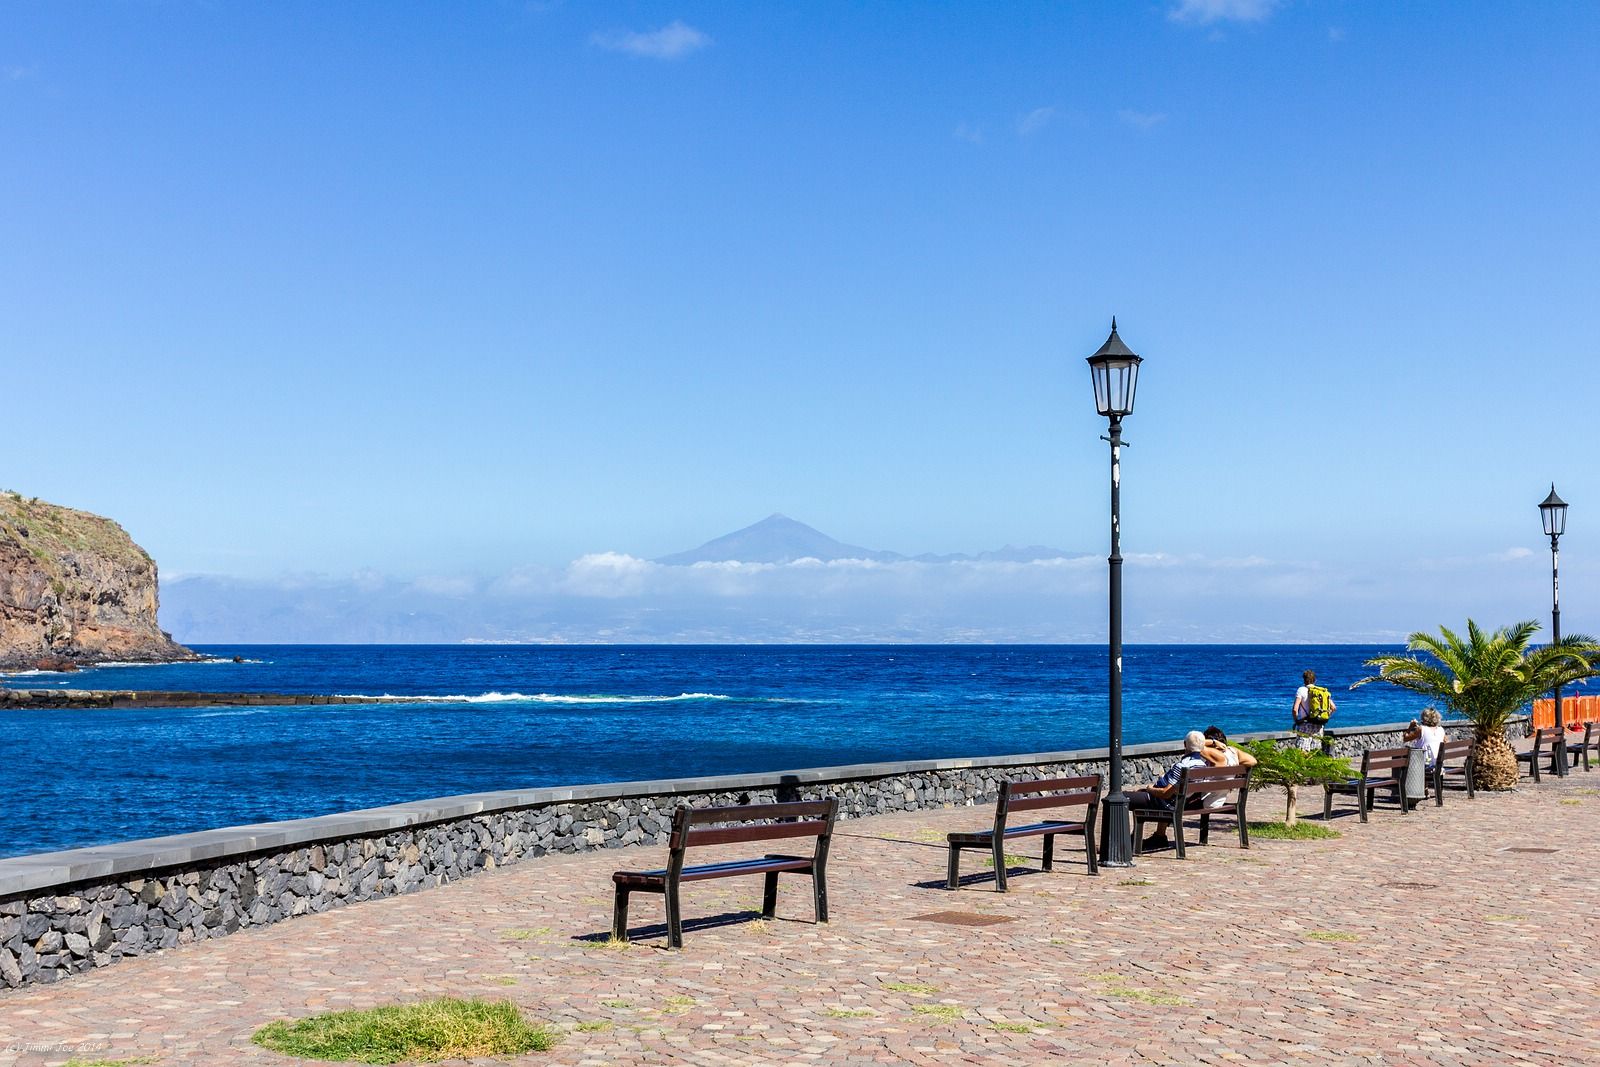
{"x": 1573, "y": 709}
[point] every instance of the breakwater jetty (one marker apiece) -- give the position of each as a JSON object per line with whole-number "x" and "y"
{"x": 161, "y": 698}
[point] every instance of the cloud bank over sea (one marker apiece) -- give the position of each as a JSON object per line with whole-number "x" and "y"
{"x": 616, "y": 597}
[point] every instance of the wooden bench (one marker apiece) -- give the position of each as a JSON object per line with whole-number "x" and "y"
{"x": 752, "y": 822}
{"x": 1581, "y": 749}
{"x": 1545, "y": 742}
{"x": 1195, "y": 784}
{"x": 1381, "y": 768}
{"x": 1031, "y": 796}
{"x": 1442, "y": 771}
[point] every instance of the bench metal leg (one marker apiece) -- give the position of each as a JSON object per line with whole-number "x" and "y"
{"x": 1363, "y": 801}
{"x": 674, "y": 917}
{"x": 1177, "y": 829}
{"x": 1049, "y": 852}
{"x": 1438, "y": 786}
{"x": 1138, "y": 837}
{"x": 1088, "y": 840}
{"x": 1205, "y": 829}
{"x": 953, "y": 875}
{"x": 999, "y": 865}
{"x": 1470, "y": 792}
{"x": 619, "y": 915}
{"x": 819, "y": 891}
{"x": 769, "y": 896}
{"x": 1327, "y": 804}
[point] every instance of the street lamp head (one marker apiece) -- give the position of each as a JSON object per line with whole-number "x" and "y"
{"x": 1115, "y": 370}
{"x": 1554, "y": 513}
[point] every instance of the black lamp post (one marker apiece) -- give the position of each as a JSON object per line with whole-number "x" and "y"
{"x": 1115, "y": 370}
{"x": 1554, "y": 513}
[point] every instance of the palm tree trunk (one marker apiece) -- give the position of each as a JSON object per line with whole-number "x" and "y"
{"x": 1495, "y": 763}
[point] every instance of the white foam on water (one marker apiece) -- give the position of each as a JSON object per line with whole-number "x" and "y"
{"x": 537, "y": 698}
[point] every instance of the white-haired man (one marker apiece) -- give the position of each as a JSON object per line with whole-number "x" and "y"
{"x": 1159, "y": 795}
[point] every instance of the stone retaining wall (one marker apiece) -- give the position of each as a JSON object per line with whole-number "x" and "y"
{"x": 65, "y": 912}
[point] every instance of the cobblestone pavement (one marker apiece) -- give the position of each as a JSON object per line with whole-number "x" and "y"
{"x": 1417, "y": 939}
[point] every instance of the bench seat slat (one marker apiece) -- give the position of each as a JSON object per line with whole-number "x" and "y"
{"x": 1039, "y": 829}
{"x": 1089, "y": 782}
{"x": 658, "y": 878}
{"x": 745, "y": 812}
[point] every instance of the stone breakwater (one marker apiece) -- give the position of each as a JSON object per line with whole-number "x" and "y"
{"x": 64, "y": 913}
{"x": 162, "y": 698}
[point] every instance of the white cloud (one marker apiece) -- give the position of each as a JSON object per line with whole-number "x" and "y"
{"x": 1205, "y": 12}
{"x": 1034, "y": 121}
{"x": 1142, "y": 120}
{"x": 15, "y": 73}
{"x": 966, "y": 131}
{"x": 673, "y": 41}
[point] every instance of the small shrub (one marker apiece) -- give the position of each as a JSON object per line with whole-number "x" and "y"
{"x": 431, "y": 1030}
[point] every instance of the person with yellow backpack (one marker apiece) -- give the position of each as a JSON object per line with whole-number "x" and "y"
{"x": 1313, "y": 707}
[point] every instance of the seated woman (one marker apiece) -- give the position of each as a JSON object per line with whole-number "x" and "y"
{"x": 1427, "y": 735}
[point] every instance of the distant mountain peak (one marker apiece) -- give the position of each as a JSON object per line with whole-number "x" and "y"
{"x": 775, "y": 539}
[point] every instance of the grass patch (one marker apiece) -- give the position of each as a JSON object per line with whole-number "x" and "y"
{"x": 1331, "y": 935}
{"x": 849, "y": 1013}
{"x": 1572, "y": 800}
{"x": 430, "y": 1030}
{"x": 1505, "y": 918}
{"x": 1300, "y": 831}
{"x": 1136, "y": 881}
{"x": 911, "y": 987}
{"x": 1011, "y": 861}
{"x": 525, "y": 935}
{"x": 501, "y": 979}
{"x": 939, "y": 1011}
{"x": 1014, "y": 1028}
{"x": 591, "y": 1026}
{"x": 1112, "y": 985}
{"x": 615, "y": 1004}
{"x": 1587, "y": 792}
{"x": 679, "y": 1003}
{"x": 129, "y": 1062}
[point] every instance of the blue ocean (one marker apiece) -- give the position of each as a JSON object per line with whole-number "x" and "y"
{"x": 526, "y": 716}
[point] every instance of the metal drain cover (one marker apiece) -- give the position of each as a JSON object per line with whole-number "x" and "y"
{"x": 1409, "y": 885}
{"x": 960, "y": 918}
{"x": 1526, "y": 848}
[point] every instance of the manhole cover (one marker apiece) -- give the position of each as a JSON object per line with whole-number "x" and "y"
{"x": 960, "y": 918}
{"x": 1409, "y": 885}
{"x": 1530, "y": 849}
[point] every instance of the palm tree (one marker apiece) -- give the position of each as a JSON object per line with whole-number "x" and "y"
{"x": 1487, "y": 679}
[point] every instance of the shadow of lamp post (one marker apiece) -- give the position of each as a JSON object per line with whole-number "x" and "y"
{"x": 1115, "y": 370}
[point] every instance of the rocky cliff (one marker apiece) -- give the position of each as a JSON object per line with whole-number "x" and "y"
{"x": 74, "y": 588}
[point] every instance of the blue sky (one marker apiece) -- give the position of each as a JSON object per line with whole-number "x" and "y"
{"x": 460, "y": 289}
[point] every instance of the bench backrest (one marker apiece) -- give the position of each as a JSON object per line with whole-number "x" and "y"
{"x": 753, "y": 822}
{"x": 1045, "y": 793}
{"x": 1546, "y": 737}
{"x": 1449, "y": 750}
{"x": 1375, "y": 761}
{"x": 1204, "y": 781}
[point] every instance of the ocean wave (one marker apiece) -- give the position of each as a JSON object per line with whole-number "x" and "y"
{"x": 537, "y": 698}
{"x": 173, "y": 663}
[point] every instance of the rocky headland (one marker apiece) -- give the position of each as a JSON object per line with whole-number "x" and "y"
{"x": 75, "y": 589}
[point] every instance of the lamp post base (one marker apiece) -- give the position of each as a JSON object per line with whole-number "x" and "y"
{"x": 1116, "y": 832}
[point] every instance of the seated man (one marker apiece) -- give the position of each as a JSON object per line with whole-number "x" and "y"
{"x": 1158, "y": 796}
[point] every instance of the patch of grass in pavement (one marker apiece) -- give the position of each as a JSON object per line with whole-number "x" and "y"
{"x": 591, "y": 1025}
{"x": 1114, "y": 985}
{"x": 911, "y": 987}
{"x": 1014, "y": 1028}
{"x": 615, "y": 1004}
{"x": 445, "y": 1029}
{"x": 679, "y": 1003}
{"x": 1300, "y": 831}
{"x": 1571, "y": 800}
{"x": 849, "y": 1013}
{"x": 1505, "y": 918}
{"x": 518, "y": 934}
{"x": 939, "y": 1011}
{"x": 1011, "y": 861}
{"x": 1136, "y": 881}
{"x": 1331, "y": 935}
{"x": 129, "y": 1062}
